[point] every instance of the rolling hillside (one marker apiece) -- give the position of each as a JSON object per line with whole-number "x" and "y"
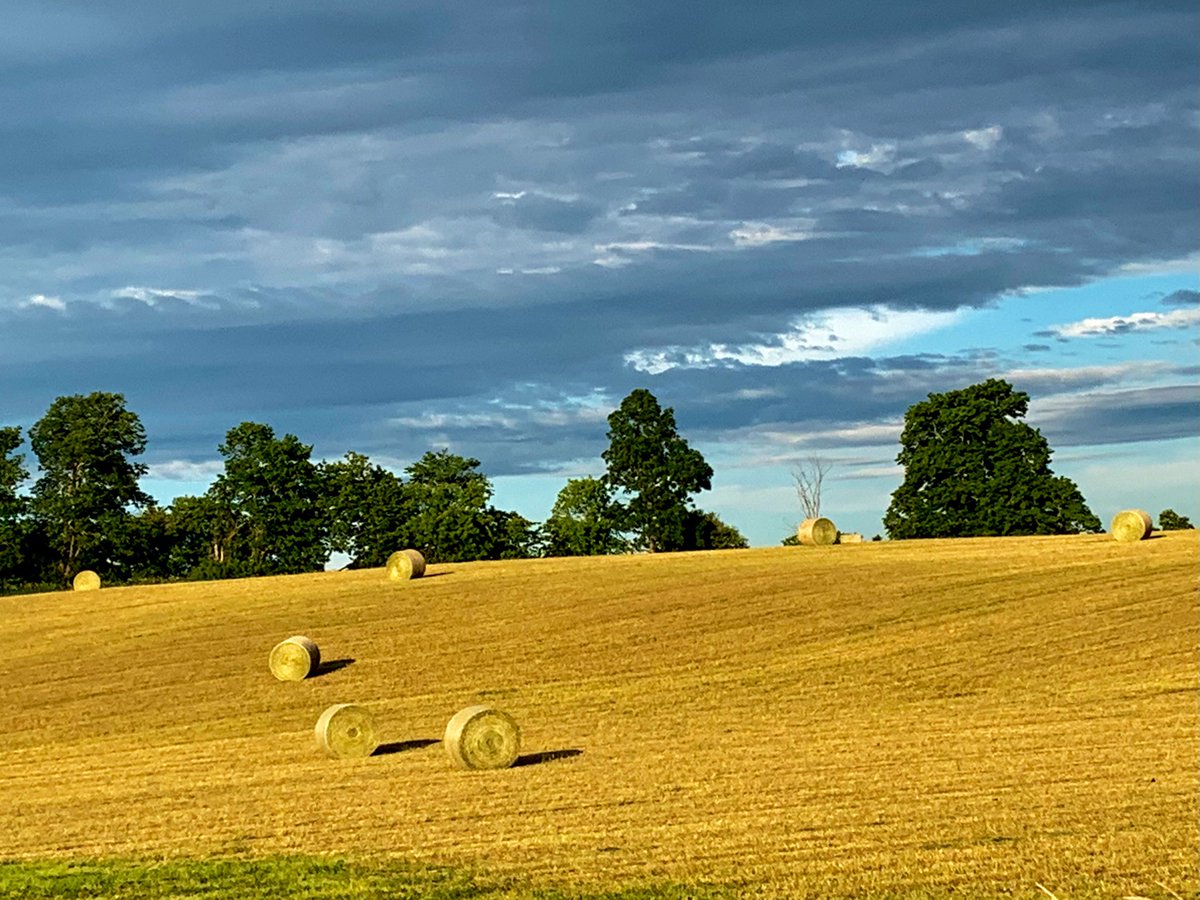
{"x": 978, "y": 715}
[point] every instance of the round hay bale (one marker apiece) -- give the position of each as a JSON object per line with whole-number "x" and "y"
{"x": 87, "y": 580}
{"x": 346, "y": 731}
{"x": 405, "y": 564}
{"x": 480, "y": 737}
{"x": 294, "y": 659}
{"x": 817, "y": 532}
{"x": 1131, "y": 525}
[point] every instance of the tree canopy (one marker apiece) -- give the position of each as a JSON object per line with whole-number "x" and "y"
{"x": 12, "y": 505}
{"x": 1169, "y": 520}
{"x": 972, "y": 468}
{"x": 448, "y": 514}
{"x": 263, "y": 514}
{"x": 585, "y": 521}
{"x": 647, "y": 459}
{"x": 85, "y": 447}
{"x": 706, "y": 531}
{"x": 273, "y": 487}
{"x": 366, "y": 508}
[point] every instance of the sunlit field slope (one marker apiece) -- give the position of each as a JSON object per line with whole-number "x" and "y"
{"x": 977, "y": 715}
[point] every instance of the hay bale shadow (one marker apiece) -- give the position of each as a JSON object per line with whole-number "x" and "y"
{"x": 331, "y": 665}
{"x": 535, "y": 759}
{"x": 402, "y": 746}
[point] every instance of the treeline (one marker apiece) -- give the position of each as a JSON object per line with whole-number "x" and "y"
{"x": 274, "y": 510}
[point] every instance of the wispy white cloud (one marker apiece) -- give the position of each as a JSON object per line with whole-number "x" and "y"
{"x": 1057, "y": 391}
{"x": 1182, "y": 265}
{"x": 761, "y": 393}
{"x": 647, "y": 246}
{"x": 514, "y": 196}
{"x": 535, "y": 270}
{"x": 55, "y": 303}
{"x": 1048, "y": 380}
{"x": 153, "y": 296}
{"x": 755, "y": 234}
{"x": 618, "y": 254}
{"x": 440, "y": 421}
{"x": 984, "y": 138}
{"x": 868, "y": 434}
{"x": 507, "y": 415}
{"x": 834, "y": 334}
{"x": 1138, "y": 321}
{"x": 879, "y": 155}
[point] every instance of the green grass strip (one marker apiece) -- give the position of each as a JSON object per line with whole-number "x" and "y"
{"x": 294, "y": 878}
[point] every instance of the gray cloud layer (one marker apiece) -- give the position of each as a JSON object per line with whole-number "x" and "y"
{"x": 383, "y": 228}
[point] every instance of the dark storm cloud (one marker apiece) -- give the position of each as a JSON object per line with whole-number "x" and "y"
{"x": 384, "y": 227}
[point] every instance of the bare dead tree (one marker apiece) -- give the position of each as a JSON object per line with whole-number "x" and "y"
{"x": 808, "y": 476}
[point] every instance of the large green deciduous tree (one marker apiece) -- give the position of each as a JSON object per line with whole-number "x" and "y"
{"x": 449, "y": 517}
{"x": 85, "y": 447}
{"x": 447, "y": 503}
{"x": 12, "y": 505}
{"x": 585, "y": 521}
{"x": 266, "y": 505}
{"x": 971, "y": 468}
{"x": 647, "y": 459}
{"x": 366, "y": 508}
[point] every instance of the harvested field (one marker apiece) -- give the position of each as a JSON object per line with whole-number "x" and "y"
{"x": 972, "y": 715}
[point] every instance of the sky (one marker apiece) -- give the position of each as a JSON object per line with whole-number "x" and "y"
{"x": 392, "y": 227}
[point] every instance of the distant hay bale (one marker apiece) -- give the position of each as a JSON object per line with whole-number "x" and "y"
{"x": 480, "y": 737}
{"x": 87, "y": 580}
{"x": 346, "y": 731}
{"x": 849, "y": 537}
{"x": 816, "y": 532}
{"x": 405, "y": 564}
{"x": 1131, "y": 525}
{"x": 295, "y": 658}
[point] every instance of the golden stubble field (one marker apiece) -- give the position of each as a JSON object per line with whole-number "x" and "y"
{"x": 977, "y": 715}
